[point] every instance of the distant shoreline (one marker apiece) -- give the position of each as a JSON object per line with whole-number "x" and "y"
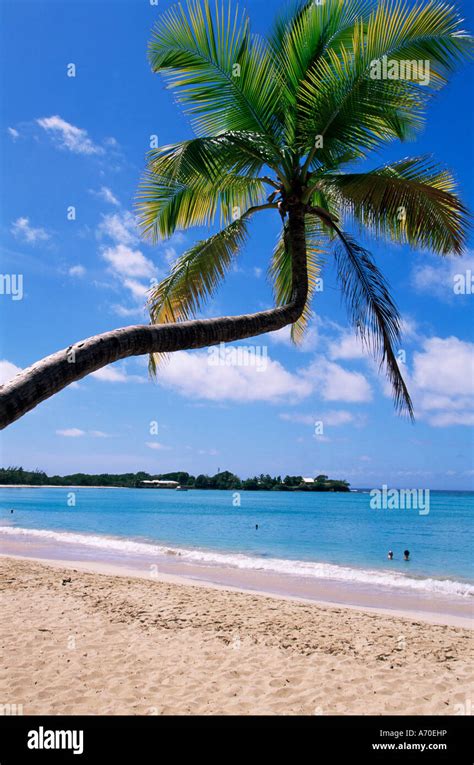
{"x": 15, "y": 477}
{"x": 143, "y": 488}
{"x": 55, "y": 486}
{"x": 360, "y": 490}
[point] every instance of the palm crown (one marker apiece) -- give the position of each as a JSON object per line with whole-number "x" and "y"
{"x": 276, "y": 121}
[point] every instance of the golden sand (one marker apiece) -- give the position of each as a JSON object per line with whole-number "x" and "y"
{"x": 103, "y": 644}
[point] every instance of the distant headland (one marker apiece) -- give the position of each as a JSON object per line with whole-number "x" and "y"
{"x": 223, "y": 480}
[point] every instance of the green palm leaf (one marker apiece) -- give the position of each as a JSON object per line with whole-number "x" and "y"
{"x": 194, "y": 278}
{"x": 302, "y": 35}
{"x": 412, "y": 201}
{"x": 196, "y": 274}
{"x": 258, "y": 108}
{"x": 189, "y": 183}
{"x": 340, "y": 100}
{"x": 372, "y": 311}
{"x": 224, "y": 76}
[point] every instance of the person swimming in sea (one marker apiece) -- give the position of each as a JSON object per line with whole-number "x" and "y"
{"x": 390, "y": 555}
{"x": 406, "y": 555}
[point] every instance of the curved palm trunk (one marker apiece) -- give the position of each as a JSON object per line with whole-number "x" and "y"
{"x": 55, "y": 372}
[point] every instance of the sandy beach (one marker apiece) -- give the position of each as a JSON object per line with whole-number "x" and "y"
{"x": 79, "y": 642}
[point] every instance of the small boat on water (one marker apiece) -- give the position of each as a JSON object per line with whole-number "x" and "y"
{"x": 181, "y": 488}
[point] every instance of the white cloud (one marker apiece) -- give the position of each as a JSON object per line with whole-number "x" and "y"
{"x": 128, "y": 265}
{"x": 438, "y": 278}
{"x": 428, "y": 278}
{"x": 121, "y": 227}
{"x": 7, "y": 371}
{"x": 21, "y": 229}
{"x": 78, "y": 433}
{"x": 302, "y": 419}
{"x": 138, "y": 290}
{"x": 435, "y": 401}
{"x": 335, "y": 383}
{"x": 107, "y": 195}
{"x": 348, "y": 346}
{"x": 13, "y": 132}
{"x": 122, "y": 310}
{"x": 111, "y": 141}
{"x": 254, "y": 378}
{"x": 127, "y": 262}
{"x": 409, "y": 329}
{"x": 445, "y": 419}
{"x": 443, "y": 381}
{"x": 257, "y": 272}
{"x": 116, "y": 375}
{"x": 337, "y": 418}
{"x": 77, "y": 271}
{"x": 334, "y": 418}
{"x": 71, "y": 433}
{"x": 445, "y": 366}
{"x": 157, "y": 446}
{"x": 283, "y": 337}
{"x": 170, "y": 255}
{"x": 191, "y": 375}
{"x": 69, "y": 136}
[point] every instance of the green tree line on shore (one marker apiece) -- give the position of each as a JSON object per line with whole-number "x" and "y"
{"x": 222, "y": 480}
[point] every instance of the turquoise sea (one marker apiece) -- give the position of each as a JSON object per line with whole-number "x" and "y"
{"x": 333, "y": 536}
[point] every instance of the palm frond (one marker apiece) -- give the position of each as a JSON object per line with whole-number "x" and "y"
{"x": 413, "y": 200}
{"x": 302, "y": 34}
{"x": 224, "y": 76}
{"x": 341, "y": 99}
{"x": 195, "y": 275}
{"x": 209, "y": 157}
{"x": 372, "y": 312}
{"x": 262, "y": 108}
{"x": 189, "y": 183}
{"x": 346, "y": 110}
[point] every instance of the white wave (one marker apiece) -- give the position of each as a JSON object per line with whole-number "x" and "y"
{"x": 299, "y": 568}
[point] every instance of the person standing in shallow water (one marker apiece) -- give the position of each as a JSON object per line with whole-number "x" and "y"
{"x": 406, "y": 555}
{"x": 390, "y": 555}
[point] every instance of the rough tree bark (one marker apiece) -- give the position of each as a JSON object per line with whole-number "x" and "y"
{"x": 53, "y": 373}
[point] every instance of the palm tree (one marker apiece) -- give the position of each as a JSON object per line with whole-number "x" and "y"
{"x": 279, "y": 124}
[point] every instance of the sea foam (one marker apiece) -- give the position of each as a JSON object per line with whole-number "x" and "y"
{"x": 299, "y": 568}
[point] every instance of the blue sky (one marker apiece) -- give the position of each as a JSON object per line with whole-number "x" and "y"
{"x": 81, "y": 141}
